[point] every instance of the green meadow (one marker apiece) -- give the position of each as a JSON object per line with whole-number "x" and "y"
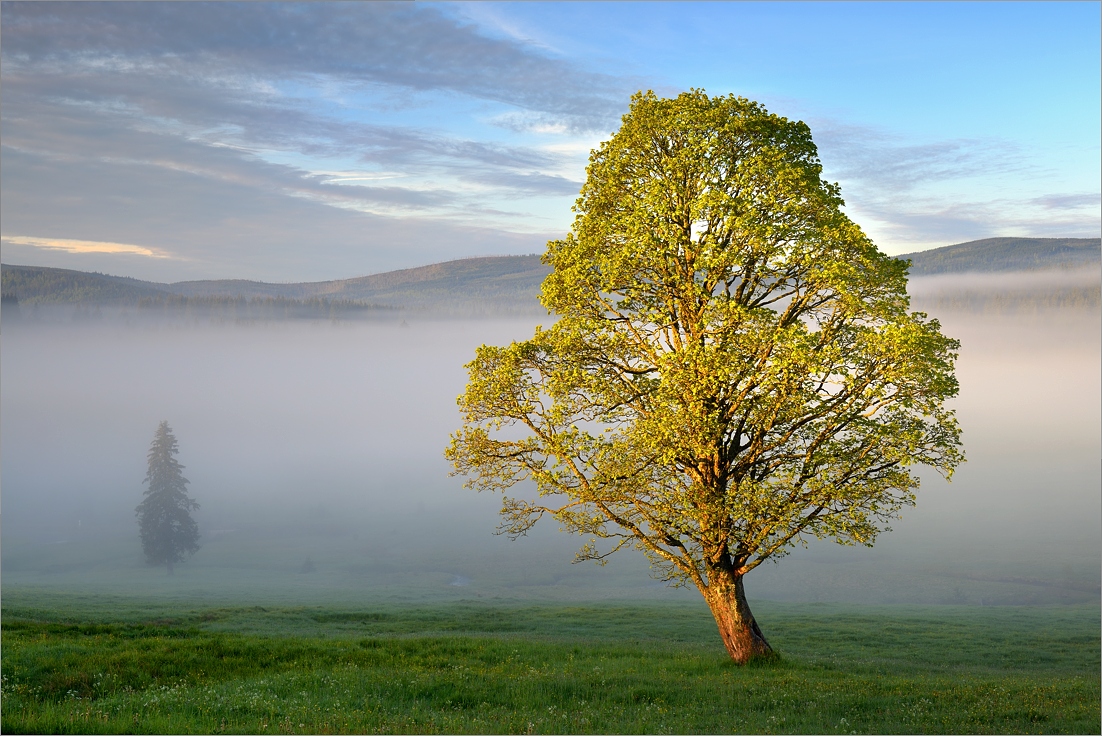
{"x": 242, "y": 639}
{"x": 91, "y": 663}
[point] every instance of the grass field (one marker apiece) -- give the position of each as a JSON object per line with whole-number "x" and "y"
{"x": 88, "y": 663}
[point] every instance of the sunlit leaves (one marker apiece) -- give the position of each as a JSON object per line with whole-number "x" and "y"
{"x": 734, "y": 367}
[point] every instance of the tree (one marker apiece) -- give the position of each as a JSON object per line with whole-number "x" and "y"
{"x": 169, "y": 534}
{"x": 733, "y": 370}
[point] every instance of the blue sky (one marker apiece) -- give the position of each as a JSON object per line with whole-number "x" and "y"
{"x": 307, "y": 141}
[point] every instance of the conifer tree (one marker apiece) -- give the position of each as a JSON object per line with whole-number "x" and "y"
{"x": 169, "y": 534}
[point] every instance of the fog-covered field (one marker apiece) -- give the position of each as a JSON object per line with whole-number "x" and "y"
{"x": 319, "y": 446}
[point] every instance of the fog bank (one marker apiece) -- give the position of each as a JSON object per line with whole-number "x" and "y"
{"x": 322, "y": 443}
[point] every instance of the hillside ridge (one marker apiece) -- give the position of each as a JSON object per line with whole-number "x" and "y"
{"x": 997, "y": 255}
{"x": 483, "y": 285}
{"x": 469, "y": 286}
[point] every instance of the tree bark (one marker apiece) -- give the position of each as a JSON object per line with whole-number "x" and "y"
{"x": 737, "y": 627}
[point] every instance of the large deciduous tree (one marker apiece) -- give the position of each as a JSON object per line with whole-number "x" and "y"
{"x": 169, "y": 534}
{"x": 734, "y": 367}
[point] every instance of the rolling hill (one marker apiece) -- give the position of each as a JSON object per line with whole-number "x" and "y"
{"x": 470, "y": 285}
{"x": 1000, "y": 255}
{"x": 39, "y": 285}
{"x": 467, "y": 287}
{"x": 500, "y": 284}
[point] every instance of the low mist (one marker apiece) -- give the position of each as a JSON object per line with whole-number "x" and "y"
{"x": 315, "y": 451}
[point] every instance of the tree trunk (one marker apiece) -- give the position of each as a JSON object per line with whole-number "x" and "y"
{"x": 737, "y": 627}
{"x": 170, "y": 568}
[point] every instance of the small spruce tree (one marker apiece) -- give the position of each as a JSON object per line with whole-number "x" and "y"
{"x": 169, "y": 534}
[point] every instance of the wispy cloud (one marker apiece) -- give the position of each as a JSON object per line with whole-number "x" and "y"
{"x": 915, "y": 222}
{"x": 293, "y": 92}
{"x": 393, "y": 44}
{"x": 87, "y": 246}
{"x": 225, "y": 228}
{"x": 1069, "y": 201}
{"x": 909, "y": 194}
{"x": 337, "y": 138}
{"x": 879, "y": 160}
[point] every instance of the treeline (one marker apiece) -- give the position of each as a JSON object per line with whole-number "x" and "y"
{"x": 207, "y": 308}
{"x": 270, "y": 307}
{"x": 1015, "y": 301}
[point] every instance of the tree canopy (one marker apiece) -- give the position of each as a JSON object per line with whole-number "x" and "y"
{"x": 734, "y": 367}
{"x": 169, "y": 534}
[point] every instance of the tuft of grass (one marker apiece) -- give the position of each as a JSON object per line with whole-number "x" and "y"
{"x": 495, "y": 668}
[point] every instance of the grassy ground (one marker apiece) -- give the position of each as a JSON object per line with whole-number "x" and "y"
{"x": 94, "y": 664}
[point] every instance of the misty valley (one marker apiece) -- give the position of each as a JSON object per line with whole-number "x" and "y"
{"x": 336, "y": 550}
{"x": 521, "y": 368}
{"x": 323, "y": 443}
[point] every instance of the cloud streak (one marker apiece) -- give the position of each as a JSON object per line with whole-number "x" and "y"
{"x": 86, "y": 246}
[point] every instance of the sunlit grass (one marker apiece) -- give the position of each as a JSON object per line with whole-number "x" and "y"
{"x": 472, "y": 667}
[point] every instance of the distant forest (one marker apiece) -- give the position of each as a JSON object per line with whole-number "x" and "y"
{"x": 1011, "y": 300}
{"x": 212, "y": 308}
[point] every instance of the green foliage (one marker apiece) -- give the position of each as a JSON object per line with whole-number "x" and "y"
{"x": 734, "y": 366}
{"x": 473, "y": 668}
{"x": 168, "y": 533}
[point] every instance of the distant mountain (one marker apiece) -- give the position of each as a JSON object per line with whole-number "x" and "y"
{"x": 482, "y": 286}
{"x": 994, "y": 255}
